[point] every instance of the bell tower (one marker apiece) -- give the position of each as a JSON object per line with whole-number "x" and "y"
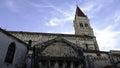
{"x": 81, "y": 24}
{"x": 82, "y": 27}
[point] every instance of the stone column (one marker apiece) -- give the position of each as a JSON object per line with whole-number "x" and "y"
{"x": 80, "y": 66}
{"x": 49, "y": 66}
{"x": 71, "y": 65}
{"x": 40, "y": 65}
{"x": 45, "y": 64}
{"x": 64, "y": 63}
{"x": 56, "y": 65}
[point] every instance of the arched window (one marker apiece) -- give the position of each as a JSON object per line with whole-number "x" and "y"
{"x": 29, "y": 43}
{"x": 10, "y": 53}
{"x": 81, "y": 25}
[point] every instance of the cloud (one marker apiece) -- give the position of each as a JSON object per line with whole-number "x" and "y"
{"x": 117, "y": 17}
{"x": 50, "y": 6}
{"x": 60, "y": 21}
{"x": 68, "y": 32}
{"x": 63, "y": 12}
{"x": 91, "y": 8}
{"x": 53, "y": 22}
{"x": 88, "y": 7}
{"x": 67, "y": 15}
{"x": 62, "y": 32}
{"x": 107, "y": 39}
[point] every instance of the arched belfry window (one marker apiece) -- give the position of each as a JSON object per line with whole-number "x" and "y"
{"x": 81, "y": 25}
{"x": 10, "y": 53}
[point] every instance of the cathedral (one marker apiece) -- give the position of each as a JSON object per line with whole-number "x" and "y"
{"x": 20, "y": 49}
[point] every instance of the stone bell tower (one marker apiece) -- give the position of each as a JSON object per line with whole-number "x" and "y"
{"x": 81, "y": 24}
{"x": 82, "y": 27}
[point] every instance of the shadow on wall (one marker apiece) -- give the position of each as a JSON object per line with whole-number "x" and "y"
{"x": 111, "y": 66}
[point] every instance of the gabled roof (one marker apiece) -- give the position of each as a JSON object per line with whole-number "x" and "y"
{"x": 8, "y": 34}
{"x": 79, "y": 12}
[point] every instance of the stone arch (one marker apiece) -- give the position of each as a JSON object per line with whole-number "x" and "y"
{"x": 58, "y": 39}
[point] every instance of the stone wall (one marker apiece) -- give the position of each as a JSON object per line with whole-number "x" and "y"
{"x": 20, "y": 51}
{"x": 36, "y": 38}
{"x": 97, "y": 61}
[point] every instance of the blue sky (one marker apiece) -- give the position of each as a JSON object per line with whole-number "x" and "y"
{"x": 56, "y": 16}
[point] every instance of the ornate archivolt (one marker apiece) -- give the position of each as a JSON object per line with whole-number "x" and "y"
{"x": 59, "y": 49}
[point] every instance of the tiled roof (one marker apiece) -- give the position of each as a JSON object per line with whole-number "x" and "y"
{"x": 79, "y": 12}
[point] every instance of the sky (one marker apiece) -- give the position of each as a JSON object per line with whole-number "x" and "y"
{"x": 56, "y": 16}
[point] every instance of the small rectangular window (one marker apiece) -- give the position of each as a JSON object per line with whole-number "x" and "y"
{"x": 81, "y": 25}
